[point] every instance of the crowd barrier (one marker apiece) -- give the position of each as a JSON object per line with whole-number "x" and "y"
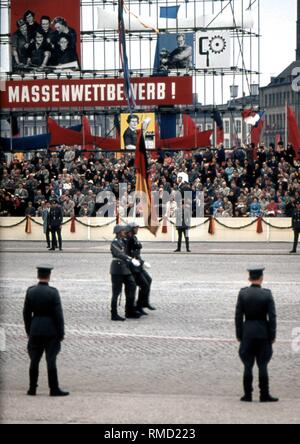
{"x": 202, "y": 229}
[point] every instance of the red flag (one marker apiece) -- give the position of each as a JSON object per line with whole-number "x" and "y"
{"x": 256, "y": 131}
{"x": 211, "y": 226}
{"x": 259, "y": 227}
{"x": 86, "y": 133}
{"x": 28, "y": 225}
{"x": 277, "y": 139}
{"x": 72, "y": 227}
{"x": 189, "y": 125}
{"x": 248, "y": 112}
{"x": 165, "y": 225}
{"x": 143, "y": 184}
{"x": 65, "y": 136}
{"x": 293, "y": 130}
{"x": 197, "y": 140}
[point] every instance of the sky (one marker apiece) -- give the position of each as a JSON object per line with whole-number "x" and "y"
{"x": 278, "y": 43}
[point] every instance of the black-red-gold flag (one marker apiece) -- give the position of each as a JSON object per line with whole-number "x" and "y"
{"x": 143, "y": 184}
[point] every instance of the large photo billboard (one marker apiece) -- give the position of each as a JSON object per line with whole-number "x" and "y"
{"x": 45, "y": 36}
{"x": 174, "y": 52}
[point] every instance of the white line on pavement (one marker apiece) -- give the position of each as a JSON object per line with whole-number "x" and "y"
{"x": 171, "y": 282}
{"x": 91, "y": 333}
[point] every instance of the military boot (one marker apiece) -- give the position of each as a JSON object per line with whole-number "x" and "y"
{"x": 187, "y": 244}
{"x": 248, "y": 388}
{"x": 264, "y": 390}
{"x": 33, "y": 377}
{"x": 116, "y": 317}
{"x": 58, "y": 392}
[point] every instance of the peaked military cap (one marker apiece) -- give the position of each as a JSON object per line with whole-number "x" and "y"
{"x": 44, "y": 268}
{"x": 132, "y": 225}
{"x": 120, "y": 227}
{"x": 256, "y": 272}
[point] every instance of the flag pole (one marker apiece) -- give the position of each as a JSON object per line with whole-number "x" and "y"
{"x": 286, "y": 124}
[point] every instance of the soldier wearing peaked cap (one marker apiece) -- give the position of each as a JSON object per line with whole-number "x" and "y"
{"x": 121, "y": 274}
{"x": 296, "y": 225}
{"x": 44, "y": 325}
{"x": 140, "y": 274}
{"x": 255, "y": 321}
{"x": 55, "y": 224}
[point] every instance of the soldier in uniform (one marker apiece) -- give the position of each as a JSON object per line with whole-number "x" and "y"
{"x": 142, "y": 279}
{"x": 296, "y": 225}
{"x": 121, "y": 274}
{"x": 183, "y": 223}
{"x": 183, "y": 211}
{"x": 44, "y": 325}
{"x": 255, "y": 320}
{"x": 55, "y": 222}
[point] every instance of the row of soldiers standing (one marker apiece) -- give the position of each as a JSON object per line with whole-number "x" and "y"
{"x": 129, "y": 269}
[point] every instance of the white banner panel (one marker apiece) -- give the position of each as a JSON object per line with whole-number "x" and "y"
{"x": 212, "y": 49}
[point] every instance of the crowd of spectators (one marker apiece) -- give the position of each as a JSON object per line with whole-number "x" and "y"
{"x": 235, "y": 183}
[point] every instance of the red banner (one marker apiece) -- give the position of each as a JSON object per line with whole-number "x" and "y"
{"x": 95, "y": 92}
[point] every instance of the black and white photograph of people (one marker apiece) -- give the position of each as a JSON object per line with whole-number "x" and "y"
{"x": 44, "y": 46}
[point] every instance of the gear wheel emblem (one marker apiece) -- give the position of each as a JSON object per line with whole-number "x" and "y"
{"x": 217, "y": 44}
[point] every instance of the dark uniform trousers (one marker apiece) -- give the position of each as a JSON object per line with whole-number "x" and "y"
{"x": 256, "y": 334}
{"x": 296, "y": 227}
{"x": 259, "y": 350}
{"x": 121, "y": 274}
{"x": 183, "y": 223}
{"x": 44, "y": 325}
{"x": 142, "y": 279}
{"x": 183, "y": 231}
{"x": 55, "y": 221}
{"x": 37, "y": 345}
{"x": 117, "y": 281}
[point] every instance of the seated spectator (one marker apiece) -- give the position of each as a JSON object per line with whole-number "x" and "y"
{"x": 68, "y": 207}
{"x": 30, "y": 210}
{"x": 272, "y": 209}
{"x": 255, "y": 208}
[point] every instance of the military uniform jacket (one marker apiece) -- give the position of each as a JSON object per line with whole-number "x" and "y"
{"x": 183, "y": 218}
{"x": 121, "y": 261}
{"x": 42, "y": 312}
{"x": 296, "y": 220}
{"x": 255, "y": 316}
{"x": 55, "y": 217}
{"x": 134, "y": 247}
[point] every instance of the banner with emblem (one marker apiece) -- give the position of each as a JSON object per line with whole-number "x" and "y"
{"x": 213, "y": 49}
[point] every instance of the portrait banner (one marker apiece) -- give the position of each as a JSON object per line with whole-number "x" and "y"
{"x": 45, "y": 36}
{"x": 131, "y": 123}
{"x": 174, "y": 52}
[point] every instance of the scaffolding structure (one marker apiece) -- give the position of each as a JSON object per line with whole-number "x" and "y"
{"x": 212, "y": 87}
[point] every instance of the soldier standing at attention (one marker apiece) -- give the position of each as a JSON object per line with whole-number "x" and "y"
{"x": 296, "y": 225}
{"x": 121, "y": 274}
{"x": 255, "y": 321}
{"x": 44, "y": 325}
{"x": 142, "y": 278}
{"x": 55, "y": 224}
